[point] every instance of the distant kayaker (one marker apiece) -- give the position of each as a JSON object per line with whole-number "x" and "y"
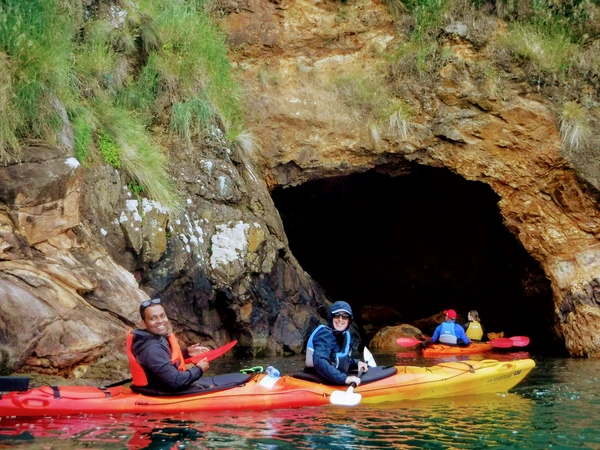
{"x": 473, "y": 328}
{"x": 449, "y": 332}
{"x": 329, "y": 347}
{"x": 156, "y": 360}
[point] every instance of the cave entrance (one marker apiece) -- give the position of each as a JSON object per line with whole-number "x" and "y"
{"x": 416, "y": 244}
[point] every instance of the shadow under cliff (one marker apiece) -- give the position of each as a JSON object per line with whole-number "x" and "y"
{"x": 418, "y": 243}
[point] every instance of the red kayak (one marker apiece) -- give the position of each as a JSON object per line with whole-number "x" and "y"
{"x": 435, "y": 350}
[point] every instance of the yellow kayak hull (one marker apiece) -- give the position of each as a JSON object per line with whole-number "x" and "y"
{"x": 447, "y": 380}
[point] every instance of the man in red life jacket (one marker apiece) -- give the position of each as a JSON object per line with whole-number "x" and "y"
{"x": 156, "y": 361}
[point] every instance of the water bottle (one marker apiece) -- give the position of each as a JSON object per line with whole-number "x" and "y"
{"x": 273, "y": 372}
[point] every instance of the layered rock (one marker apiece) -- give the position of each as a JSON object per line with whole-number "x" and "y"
{"x": 64, "y": 300}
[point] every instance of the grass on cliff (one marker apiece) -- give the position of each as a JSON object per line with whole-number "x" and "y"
{"x": 379, "y": 109}
{"x": 114, "y": 76}
{"x": 575, "y": 127}
{"x": 552, "y": 46}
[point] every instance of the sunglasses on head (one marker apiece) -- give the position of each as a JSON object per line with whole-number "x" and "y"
{"x": 154, "y": 301}
{"x": 341, "y": 316}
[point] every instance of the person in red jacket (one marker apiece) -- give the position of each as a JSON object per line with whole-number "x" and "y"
{"x": 156, "y": 360}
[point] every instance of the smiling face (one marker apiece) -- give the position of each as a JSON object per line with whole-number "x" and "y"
{"x": 156, "y": 321}
{"x": 341, "y": 321}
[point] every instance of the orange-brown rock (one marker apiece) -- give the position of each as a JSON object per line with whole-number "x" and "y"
{"x": 385, "y": 339}
{"x": 510, "y": 142}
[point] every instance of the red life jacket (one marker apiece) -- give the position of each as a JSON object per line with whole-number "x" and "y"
{"x": 137, "y": 371}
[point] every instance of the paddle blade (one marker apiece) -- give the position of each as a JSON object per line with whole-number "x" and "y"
{"x": 407, "y": 342}
{"x": 368, "y": 358}
{"x": 520, "y": 341}
{"x": 345, "y": 398}
{"x": 501, "y": 343}
{"x": 212, "y": 354}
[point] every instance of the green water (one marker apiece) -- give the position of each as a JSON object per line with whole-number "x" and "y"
{"x": 557, "y": 406}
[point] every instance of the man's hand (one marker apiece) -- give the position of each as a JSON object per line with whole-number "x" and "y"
{"x": 203, "y": 364}
{"x": 196, "y": 349}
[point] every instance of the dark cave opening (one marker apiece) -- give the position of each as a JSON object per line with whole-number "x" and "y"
{"x": 419, "y": 243}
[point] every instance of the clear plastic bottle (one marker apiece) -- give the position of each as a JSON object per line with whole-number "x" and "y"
{"x": 273, "y": 372}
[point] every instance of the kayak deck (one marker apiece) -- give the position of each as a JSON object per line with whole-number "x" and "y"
{"x": 263, "y": 392}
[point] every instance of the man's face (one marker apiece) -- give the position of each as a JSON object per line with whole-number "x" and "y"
{"x": 156, "y": 320}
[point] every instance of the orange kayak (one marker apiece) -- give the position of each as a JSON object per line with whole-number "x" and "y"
{"x": 435, "y": 350}
{"x": 265, "y": 392}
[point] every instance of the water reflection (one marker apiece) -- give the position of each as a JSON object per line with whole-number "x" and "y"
{"x": 556, "y": 406}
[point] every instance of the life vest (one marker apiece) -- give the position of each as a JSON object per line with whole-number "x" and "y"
{"x": 138, "y": 375}
{"x": 474, "y": 331}
{"x": 448, "y": 334}
{"x": 342, "y": 359}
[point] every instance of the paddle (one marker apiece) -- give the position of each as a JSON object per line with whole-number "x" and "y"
{"x": 407, "y": 342}
{"x": 348, "y": 397}
{"x": 501, "y": 343}
{"x": 520, "y": 341}
{"x": 209, "y": 355}
{"x": 368, "y": 358}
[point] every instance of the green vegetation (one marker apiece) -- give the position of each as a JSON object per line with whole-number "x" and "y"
{"x": 370, "y": 94}
{"x": 83, "y": 139}
{"x": 549, "y": 35}
{"x": 36, "y": 50}
{"x": 549, "y": 53}
{"x": 551, "y": 47}
{"x": 118, "y": 74}
{"x": 108, "y": 150}
{"x": 191, "y": 117}
{"x": 136, "y": 188}
{"x": 193, "y": 56}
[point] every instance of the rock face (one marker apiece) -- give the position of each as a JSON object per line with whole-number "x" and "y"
{"x": 65, "y": 302}
{"x": 71, "y": 284}
{"x": 510, "y": 143}
{"x": 79, "y": 252}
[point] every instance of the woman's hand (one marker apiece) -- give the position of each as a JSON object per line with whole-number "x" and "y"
{"x": 363, "y": 366}
{"x": 196, "y": 349}
{"x": 352, "y": 379}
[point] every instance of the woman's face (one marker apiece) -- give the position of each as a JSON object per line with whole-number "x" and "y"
{"x": 341, "y": 321}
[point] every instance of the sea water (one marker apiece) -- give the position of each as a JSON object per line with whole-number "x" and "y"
{"x": 556, "y": 407}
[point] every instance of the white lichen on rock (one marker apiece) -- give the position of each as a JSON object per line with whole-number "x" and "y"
{"x": 132, "y": 206}
{"x": 229, "y": 243}
{"x": 72, "y": 163}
